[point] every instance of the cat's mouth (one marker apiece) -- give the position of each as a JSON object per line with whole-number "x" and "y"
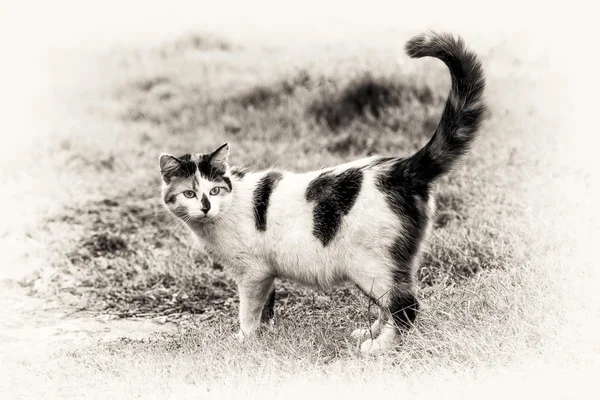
{"x": 202, "y": 219}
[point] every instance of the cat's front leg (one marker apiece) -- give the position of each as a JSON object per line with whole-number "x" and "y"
{"x": 254, "y": 292}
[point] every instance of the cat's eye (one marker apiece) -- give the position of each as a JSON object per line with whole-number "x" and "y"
{"x": 190, "y": 194}
{"x": 215, "y": 191}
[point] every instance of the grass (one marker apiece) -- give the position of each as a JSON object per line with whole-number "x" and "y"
{"x": 487, "y": 279}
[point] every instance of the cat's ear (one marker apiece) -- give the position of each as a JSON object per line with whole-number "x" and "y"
{"x": 168, "y": 166}
{"x": 219, "y": 156}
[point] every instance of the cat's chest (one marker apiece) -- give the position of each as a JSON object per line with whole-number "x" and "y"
{"x": 212, "y": 244}
{"x": 226, "y": 247}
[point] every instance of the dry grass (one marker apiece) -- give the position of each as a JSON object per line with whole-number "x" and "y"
{"x": 488, "y": 279}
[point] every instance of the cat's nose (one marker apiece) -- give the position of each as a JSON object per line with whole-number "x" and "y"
{"x": 205, "y": 204}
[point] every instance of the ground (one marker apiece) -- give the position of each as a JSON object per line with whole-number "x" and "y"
{"x": 104, "y": 295}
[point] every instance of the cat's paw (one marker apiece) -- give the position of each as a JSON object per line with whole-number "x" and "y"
{"x": 371, "y": 346}
{"x": 240, "y": 336}
{"x": 360, "y": 333}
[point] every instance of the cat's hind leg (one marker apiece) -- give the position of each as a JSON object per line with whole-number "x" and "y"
{"x": 392, "y": 290}
{"x": 402, "y": 309}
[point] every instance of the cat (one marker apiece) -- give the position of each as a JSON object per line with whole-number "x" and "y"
{"x": 362, "y": 222}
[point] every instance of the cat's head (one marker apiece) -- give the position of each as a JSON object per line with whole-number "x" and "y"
{"x": 197, "y": 188}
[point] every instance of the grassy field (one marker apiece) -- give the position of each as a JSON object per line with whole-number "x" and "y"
{"x": 509, "y": 300}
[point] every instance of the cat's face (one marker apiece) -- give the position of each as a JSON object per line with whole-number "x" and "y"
{"x": 197, "y": 187}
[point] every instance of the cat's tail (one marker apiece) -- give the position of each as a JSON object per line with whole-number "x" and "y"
{"x": 464, "y": 108}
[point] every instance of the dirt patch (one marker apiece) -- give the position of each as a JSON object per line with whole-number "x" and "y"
{"x": 366, "y": 98}
{"x": 101, "y": 244}
{"x": 269, "y": 95}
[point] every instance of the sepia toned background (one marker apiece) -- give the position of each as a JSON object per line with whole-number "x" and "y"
{"x": 104, "y": 296}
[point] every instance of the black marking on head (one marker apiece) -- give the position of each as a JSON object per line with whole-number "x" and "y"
{"x": 209, "y": 170}
{"x": 403, "y": 308}
{"x": 334, "y": 196}
{"x": 227, "y": 182}
{"x": 205, "y": 203}
{"x": 185, "y": 168}
{"x": 188, "y": 167}
{"x": 407, "y": 196}
{"x": 213, "y": 166}
{"x": 169, "y": 197}
{"x": 262, "y": 195}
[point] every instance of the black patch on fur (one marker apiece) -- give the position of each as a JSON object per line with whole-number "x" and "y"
{"x": 262, "y": 195}
{"x": 403, "y": 309}
{"x": 334, "y": 196}
{"x": 268, "y": 312}
{"x": 209, "y": 170}
{"x": 407, "y": 196}
{"x": 464, "y": 109}
{"x": 205, "y": 203}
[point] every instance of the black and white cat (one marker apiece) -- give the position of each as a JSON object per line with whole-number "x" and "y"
{"x": 362, "y": 222}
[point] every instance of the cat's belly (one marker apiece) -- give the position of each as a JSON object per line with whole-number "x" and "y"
{"x": 311, "y": 272}
{"x": 304, "y": 260}
{"x": 293, "y": 260}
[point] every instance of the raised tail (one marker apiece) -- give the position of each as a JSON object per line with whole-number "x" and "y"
{"x": 464, "y": 108}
